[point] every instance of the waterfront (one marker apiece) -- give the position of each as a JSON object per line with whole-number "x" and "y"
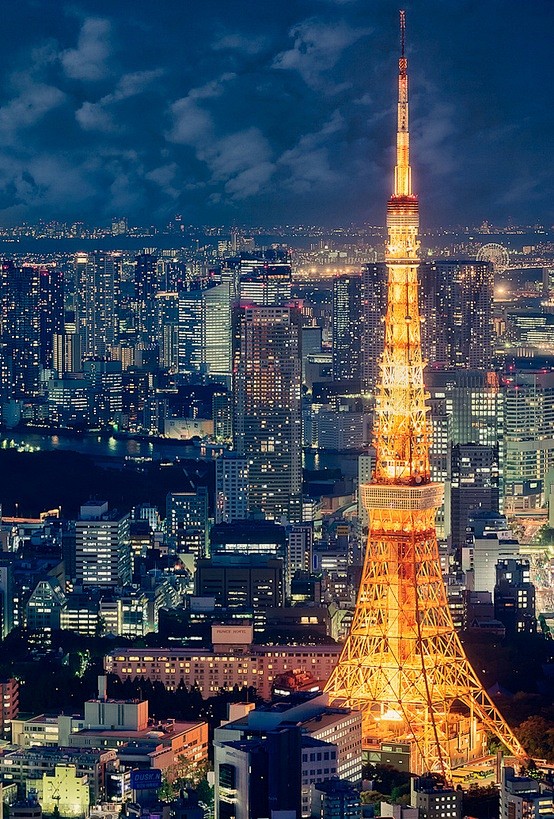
{"x": 107, "y": 450}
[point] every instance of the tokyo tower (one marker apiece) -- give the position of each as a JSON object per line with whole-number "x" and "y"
{"x": 402, "y": 664}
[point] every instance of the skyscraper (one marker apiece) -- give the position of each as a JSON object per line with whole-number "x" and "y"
{"x": 402, "y": 664}
{"x": 265, "y": 278}
{"x": 100, "y": 271}
{"x": 187, "y": 522}
{"x": 458, "y": 298}
{"x": 21, "y": 324}
{"x": 267, "y": 411}
{"x": 473, "y": 484}
{"x": 346, "y": 327}
{"x": 528, "y": 437}
{"x": 191, "y": 321}
{"x": 146, "y": 288}
{"x": 373, "y": 306}
{"x": 205, "y": 333}
{"x": 216, "y": 339}
{"x": 167, "y": 329}
{"x": 51, "y": 311}
{"x": 231, "y": 488}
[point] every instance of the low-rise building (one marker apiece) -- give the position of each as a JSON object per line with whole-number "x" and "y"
{"x": 435, "y": 800}
{"x": 9, "y": 705}
{"x": 336, "y": 799}
{"x": 235, "y": 662}
{"x": 522, "y": 797}
{"x": 65, "y": 790}
{"x": 33, "y": 763}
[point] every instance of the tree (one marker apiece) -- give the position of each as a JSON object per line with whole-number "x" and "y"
{"x": 183, "y": 774}
{"x": 536, "y": 734}
{"x": 481, "y": 802}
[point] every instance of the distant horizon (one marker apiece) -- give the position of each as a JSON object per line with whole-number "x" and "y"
{"x": 483, "y": 228}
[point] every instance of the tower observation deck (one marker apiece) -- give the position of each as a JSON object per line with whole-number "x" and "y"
{"x": 403, "y": 664}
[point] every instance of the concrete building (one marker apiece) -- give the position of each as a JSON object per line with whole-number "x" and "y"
{"x": 257, "y": 775}
{"x": 300, "y": 540}
{"x": 187, "y": 522}
{"x": 336, "y": 799}
{"x": 28, "y": 808}
{"x": 98, "y": 288}
{"x": 457, "y": 297}
{"x": 529, "y": 438}
{"x": 232, "y": 661}
{"x": 248, "y": 537}
{"x": 473, "y": 483}
{"x": 435, "y": 800}
{"x": 489, "y": 541}
{"x": 231, "y": 488}
{"x": 252, "y": 581}
{"x": 346, "y": 327}
{"x": 267, "y": 411}
{"x": 319, "y": 763}
{"x": 102, "y": 548}
{"x": 514, "y": 597}
{"x": 341, "y": 727}
{"x": 342, "y": 431}
{"x": 522, "y": 797}
{"x": 65, "y": 790}
{"x": 9, "y": 705}
{"x": 32, "y": 763}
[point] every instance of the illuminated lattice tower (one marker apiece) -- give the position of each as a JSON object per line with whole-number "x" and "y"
{"x": 402, "y": 664}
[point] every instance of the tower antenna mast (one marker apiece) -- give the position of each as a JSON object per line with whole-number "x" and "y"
{"x": 402, "y": 33}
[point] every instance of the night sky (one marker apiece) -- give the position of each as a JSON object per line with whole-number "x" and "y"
{"x": 274, "y": 111}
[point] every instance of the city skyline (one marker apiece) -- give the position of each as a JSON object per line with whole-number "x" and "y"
{"x": 227, "y": 114}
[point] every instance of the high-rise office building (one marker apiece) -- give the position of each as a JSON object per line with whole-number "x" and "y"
{"x": 105, "y": 382}
{"x": 187, "y": 522}
{"x": 167, "y": 330}
{"x": 231, "y": 488}
{"x": 259, "y": 776}
{"x": 216, "y": 336}
{"x": 241, "y": 581}
{"x": 473, "y": 484}
{"x": 146, "y": 288}
{"x": 528, "y": 437}
{"x": 102, "y": 550}
{"x": 51, "y": 311}
{"x": 267, "y": 412}
{"x": 205, "y": 333}
{"x": 100, "y": 274}
{"x": 457, "y": 298}
{"x": 336, "y": 799}
{"x": 524, "y": 796}
{"x": 347, "y": 303}
{"x": 20, "y": 330}
{"x": 373, "y": 306}
{"x": 265, "y": 278}
{"x": 300, "y": 541}
{"x": 191, "y": 322}
{"x": 66, "y": 353}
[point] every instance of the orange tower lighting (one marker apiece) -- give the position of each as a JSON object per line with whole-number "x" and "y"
{"x": 403, "y": 664}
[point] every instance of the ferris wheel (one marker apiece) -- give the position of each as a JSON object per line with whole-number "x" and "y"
{"x": 496, "y": 254}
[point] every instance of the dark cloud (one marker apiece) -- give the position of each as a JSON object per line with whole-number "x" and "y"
{"x": 89, "y": 60}
{"x": 261, "y": 112}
